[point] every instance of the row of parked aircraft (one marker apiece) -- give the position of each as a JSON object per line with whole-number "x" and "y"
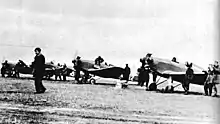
{"x": 165, "y": 68}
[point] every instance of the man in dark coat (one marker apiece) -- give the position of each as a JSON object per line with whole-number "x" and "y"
{"x": 209, "y": 81}
{"x": 77, "y": 66}
{"x": 148, "y": 63}
{"x": 99, "y": 60}
{"x": 126, "y": 73}
{"x": 216, "y": 71}
{"x": 188, "y": 77}
{"x": 39, "y": 70}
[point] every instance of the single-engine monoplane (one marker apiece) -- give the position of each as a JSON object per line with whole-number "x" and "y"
{"x": 175, "y": 71}
{"x": 103, "y": 70}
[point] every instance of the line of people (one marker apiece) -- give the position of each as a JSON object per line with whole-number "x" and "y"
{"x": 210, "y": 83}
{"x": 147, "y": 66}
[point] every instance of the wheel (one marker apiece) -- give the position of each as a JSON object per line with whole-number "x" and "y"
{"x": 153, "y": 87}
{"x": 169, "y": 89}
{"x": 92, "y": 81}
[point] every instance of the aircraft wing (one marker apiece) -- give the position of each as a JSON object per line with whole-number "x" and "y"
{"x": 198, "y": 79}
{"x": 111, "y": 72}
{"x": 177, "y": 73}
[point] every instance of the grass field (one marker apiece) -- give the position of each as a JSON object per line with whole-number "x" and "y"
{"x": 65, "y": 102}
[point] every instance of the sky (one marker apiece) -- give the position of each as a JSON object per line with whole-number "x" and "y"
{"x": 121, "y": 31}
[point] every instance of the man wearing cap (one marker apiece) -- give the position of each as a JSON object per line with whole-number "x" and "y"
{"x": 39, "y": 70}
{"x": 174, "y": 60}
{"x": 99, "y": 60}
{"x": 64, "y": 71}
{"x": 126, "y": 73}
{"x": 143, "y": 76}
{"x": 4, "y": 68}
{"x": 150, "y": 64}
{"x": 77, "y": 66}
{"x": 188, "y": 77}
{"x": 209, "y": 81}
{"x": 216, "y": 71}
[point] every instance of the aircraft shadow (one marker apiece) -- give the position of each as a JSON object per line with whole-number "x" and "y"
{"x": 24, "y": 92}
{"x": 104, "y": 84}
{"x": 183, "y": 93}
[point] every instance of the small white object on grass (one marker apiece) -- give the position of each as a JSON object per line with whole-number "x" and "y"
{"x": 120, "y": 84}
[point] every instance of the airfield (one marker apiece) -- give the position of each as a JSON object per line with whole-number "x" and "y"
{"x": 67, "y": 102}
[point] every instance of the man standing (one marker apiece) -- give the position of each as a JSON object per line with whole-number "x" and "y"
{"x": 143, "y": 77}
{"x": 39, "y": 69}
{"x": 58, "y": 71}
{"x": 64, "y": 72}
{"x": 216, "y": 71}
{"x": 188, "y": 77}
{"x": 209, "y": 81}
{"x": 77, "y": 66}
{"x": 4, "y": 67}
{"x": 151, "y": 66}
{"x": 126, "y": 73}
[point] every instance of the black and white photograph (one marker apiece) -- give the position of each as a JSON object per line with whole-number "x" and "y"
{"x": 109, "y": 62}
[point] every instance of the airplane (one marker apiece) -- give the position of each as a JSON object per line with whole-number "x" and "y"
{"x": 58, "y": 70}
{"x": 103, "y": 70}
{"x": 8, "y": 68}
{"x": 13, "y": 69}
{"x": 175, "y": 71}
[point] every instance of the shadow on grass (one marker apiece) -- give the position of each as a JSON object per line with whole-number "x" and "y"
{"x": 23, "y": 92}
{"x": 183, "y": 93}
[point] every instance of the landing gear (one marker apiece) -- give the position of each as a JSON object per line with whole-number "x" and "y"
{"x": 169, "y": 89}
{"x": 153, "y": 87}
{"x": 92, "y": 81}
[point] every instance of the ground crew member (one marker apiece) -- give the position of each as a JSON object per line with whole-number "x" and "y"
{"x": 188, "y": 77}
{"x": 58, "y": 71}
{"x": 150, "y": 64}
{"x": 64, "y": 72}
{"x": 209, "y": 81}
{"x": 143, "y": 77}
{"x": 39, "y": 69}
{"x": 126, "y": 73}
{"x": 216, "y": 71}
{"x": 77, "y": 66}
{"x": 4, "y": 67}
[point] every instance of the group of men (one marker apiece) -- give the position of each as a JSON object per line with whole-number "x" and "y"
{"x": 210, "y": 83}
{"x": 78, "y": 68}
{"x": 147, "y": 66}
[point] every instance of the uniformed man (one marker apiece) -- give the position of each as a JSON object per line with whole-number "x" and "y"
{"x": 174, "y": 60}
{"x": 39, "y": 69}
{"x": 208, "y": 82}
{"x": 77, "y": 66}
{"x": 143, "y": 77}
{"x": 4, "y": 67}
{"x": 58, "y": 71}
{"x": 188, "y": 77}
{"x": 126, "y": 73}
{"x": 99, "y": 60}
{"x": 64, "y": 72}
{"x": 150, "y": 64}
{"x": 216, "y": 71}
